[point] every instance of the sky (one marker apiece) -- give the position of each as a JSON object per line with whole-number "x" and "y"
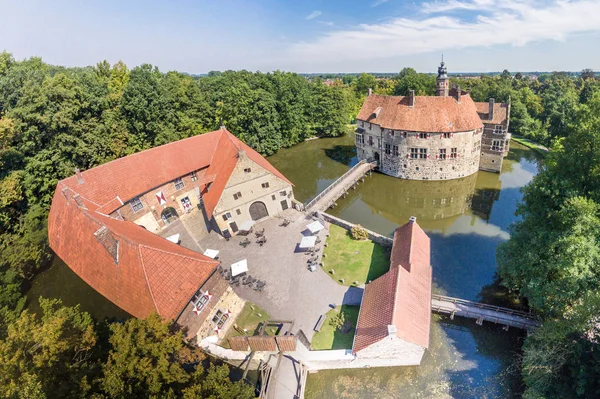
{"x": 308, "y": 35}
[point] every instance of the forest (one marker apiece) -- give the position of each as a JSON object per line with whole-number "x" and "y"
{"x": 55, "y": 119}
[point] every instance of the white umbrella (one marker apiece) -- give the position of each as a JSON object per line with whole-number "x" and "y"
{"x": 174, "y": 238}
{"x": 308, "y": 242}
{"x": 315, "y": 227}
{"x": 239, "y": 267}
{"x": 247, "y": 225}
{"x": 211, "y": 253}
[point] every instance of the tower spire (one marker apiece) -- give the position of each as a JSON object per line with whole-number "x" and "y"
{"x": 442, "y": 83}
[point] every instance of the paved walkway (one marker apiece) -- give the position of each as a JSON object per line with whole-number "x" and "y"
{"x": 328, "y": 197}
{"x": 292, "y": 292}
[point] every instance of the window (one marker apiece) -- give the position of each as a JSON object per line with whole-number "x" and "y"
{"x": 414, "y": 153}
{"x": 388, "y": 149}
{"x": 237, "y": 195}
{"x": 370, "y": 126}
{"x": 193, "y": 175}
{"x": 178, "y": 184}
{"x": 395, "y": 150}
{"x": 442, "y": 153}
{"x": 273, "y": 197}
{"x": 498, "y": 129}
{"x": 247, "y": 170}
{"x": 265, "y": 185}
{"x": 238, "y": 211}
{"x": 200, "y": 299}
{"x": 392, "y": 133}
{"x": 358, "y": 139}
{"x": 220, "y": 318}
{"x": 370, "y": 140}
{"x": 496, "y": 145}
{"x": 378, "y": 142}
{"x": 404, "y": 134}
{"x": 226, "y": 216}
{"x": 422, "y": 153}
{"x": 136, "y": 204}
{"x": 447, "y": 135}
{"x": 283, "y": 193}
{"x": 453, "y": 153}
{"x": 423, "y": 135}
{"x": 362, "y": 123}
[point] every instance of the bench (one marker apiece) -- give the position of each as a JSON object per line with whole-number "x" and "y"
{"x": 320, "y": 323}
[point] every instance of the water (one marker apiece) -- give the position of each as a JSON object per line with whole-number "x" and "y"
{"x": 466, "y": 219}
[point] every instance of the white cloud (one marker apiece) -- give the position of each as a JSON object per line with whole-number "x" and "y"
{"x": 491, "y": 22}
{"x": 313, "y": 14}
{"x": 327, "y": 23}
{"x": 379, "y": 2}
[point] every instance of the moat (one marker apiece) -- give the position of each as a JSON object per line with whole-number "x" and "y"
{"x": 466, "y": 220}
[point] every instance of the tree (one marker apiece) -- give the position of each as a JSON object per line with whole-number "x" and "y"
{"x": 364, "y": 82}
{"x": 587, "y": 74}
{"x": 48, "y": 357}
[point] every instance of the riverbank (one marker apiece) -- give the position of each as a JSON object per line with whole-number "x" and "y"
{"x": 540, "y": 149}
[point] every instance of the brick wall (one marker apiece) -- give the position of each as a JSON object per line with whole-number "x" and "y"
{"x": 151, "y": 218}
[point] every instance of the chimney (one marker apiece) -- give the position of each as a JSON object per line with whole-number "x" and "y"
{"x": 458, "y": 94}
{"x": 79, "y": 201}
{"x": 79, "y": 176}
{"x": 370, "y": 91}
{"x": 491, "y": 110}
{"x": 412, "y": 219}
{"x": 391, "y": 329}
{"x": 411, "y": 99}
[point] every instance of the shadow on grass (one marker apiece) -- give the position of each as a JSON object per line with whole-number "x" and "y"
{"x": 380, "y": 262}
{"x": 343, "y": 338}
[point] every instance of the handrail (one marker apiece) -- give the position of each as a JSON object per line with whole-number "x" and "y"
{"x": 484, "y": 306}
{"x": 336, "y": 183}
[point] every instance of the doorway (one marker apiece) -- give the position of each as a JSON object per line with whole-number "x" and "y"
{"x": 169, "y": 214}
{"x": 258, "y": 210}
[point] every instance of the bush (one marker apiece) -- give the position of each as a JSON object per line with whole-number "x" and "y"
{"x": 359, "y": 233}
{"x": 338, "y": 320}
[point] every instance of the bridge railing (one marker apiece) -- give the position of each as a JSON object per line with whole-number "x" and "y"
{"x": 484, "y": 306}
{"x": 333, "y": 185}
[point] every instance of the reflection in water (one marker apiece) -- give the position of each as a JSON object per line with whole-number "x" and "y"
{"x": 466, "y": 220}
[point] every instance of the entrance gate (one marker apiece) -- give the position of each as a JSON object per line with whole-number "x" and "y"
{"x": 258, "y": 210}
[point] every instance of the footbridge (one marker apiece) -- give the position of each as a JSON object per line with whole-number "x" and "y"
{"x": 340, "y": 187}
{"x": 482, "y": 312}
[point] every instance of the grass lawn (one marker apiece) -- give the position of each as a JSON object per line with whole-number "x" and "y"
{"x": 531, "y": 144}
{"x": 250, "y": 320}
{"x": 353, "y": 260}
{"x": 328, "y": 338}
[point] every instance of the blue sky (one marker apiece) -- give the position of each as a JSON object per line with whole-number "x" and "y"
{"x": 308, "y": 35}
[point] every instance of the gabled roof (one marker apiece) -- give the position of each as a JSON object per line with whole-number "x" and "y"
{"x": 429, "y": 114}
{"x": 402, "y": 296}
{"x": 500, "y": 112}
{"x": 116, "y": 182}
{"x": 148, "y": 274}
{"x": 135, "y": 269}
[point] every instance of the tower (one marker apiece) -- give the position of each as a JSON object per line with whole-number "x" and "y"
{"x": 442, "y": 82}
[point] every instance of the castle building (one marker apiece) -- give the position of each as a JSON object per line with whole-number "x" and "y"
{"x": 103, "y": 224}
{"x": 447, "y": 136}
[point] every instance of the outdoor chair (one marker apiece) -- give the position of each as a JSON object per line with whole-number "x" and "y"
{"x": 285, "y": 223}
{"x": 318, "y": 241}
{"x": 260, "y": 233}
{"x": 220, "y": 269}
{"x": 245, "y": 243}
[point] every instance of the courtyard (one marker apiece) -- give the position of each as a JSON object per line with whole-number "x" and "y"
{"x": 292, "y": 291}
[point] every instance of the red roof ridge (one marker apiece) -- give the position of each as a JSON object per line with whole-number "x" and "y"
{"x": 146, "y": 277}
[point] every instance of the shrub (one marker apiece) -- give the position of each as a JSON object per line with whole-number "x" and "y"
{"x": 338, "y": 320}
{"x": 359, "y": 233}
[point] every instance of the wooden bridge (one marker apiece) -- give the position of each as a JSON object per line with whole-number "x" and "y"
{"x": 348, "y": 180}
{"x": 482, "y": 312}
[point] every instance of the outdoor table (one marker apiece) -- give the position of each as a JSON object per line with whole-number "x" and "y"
{"x": 308, "y": 242}
{"x": 174, "y": 238}
{"x": 239, "y": 267}
{"x": 315, "y": 227}
{"x": 211, "y": 253}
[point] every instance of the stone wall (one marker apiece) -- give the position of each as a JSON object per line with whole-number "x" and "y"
{"x": 375, "y": 237}
{"x": 248, "y": 179}
{"x": 433, "y": 167}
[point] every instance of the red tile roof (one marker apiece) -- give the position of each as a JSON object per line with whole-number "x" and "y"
{"x": 500, "y": 112}
{"x": 152, "y": 274}
{"x": 133, "y": 175}
{"x": 402, "y": 296}
{"x": 429, "y": 114}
